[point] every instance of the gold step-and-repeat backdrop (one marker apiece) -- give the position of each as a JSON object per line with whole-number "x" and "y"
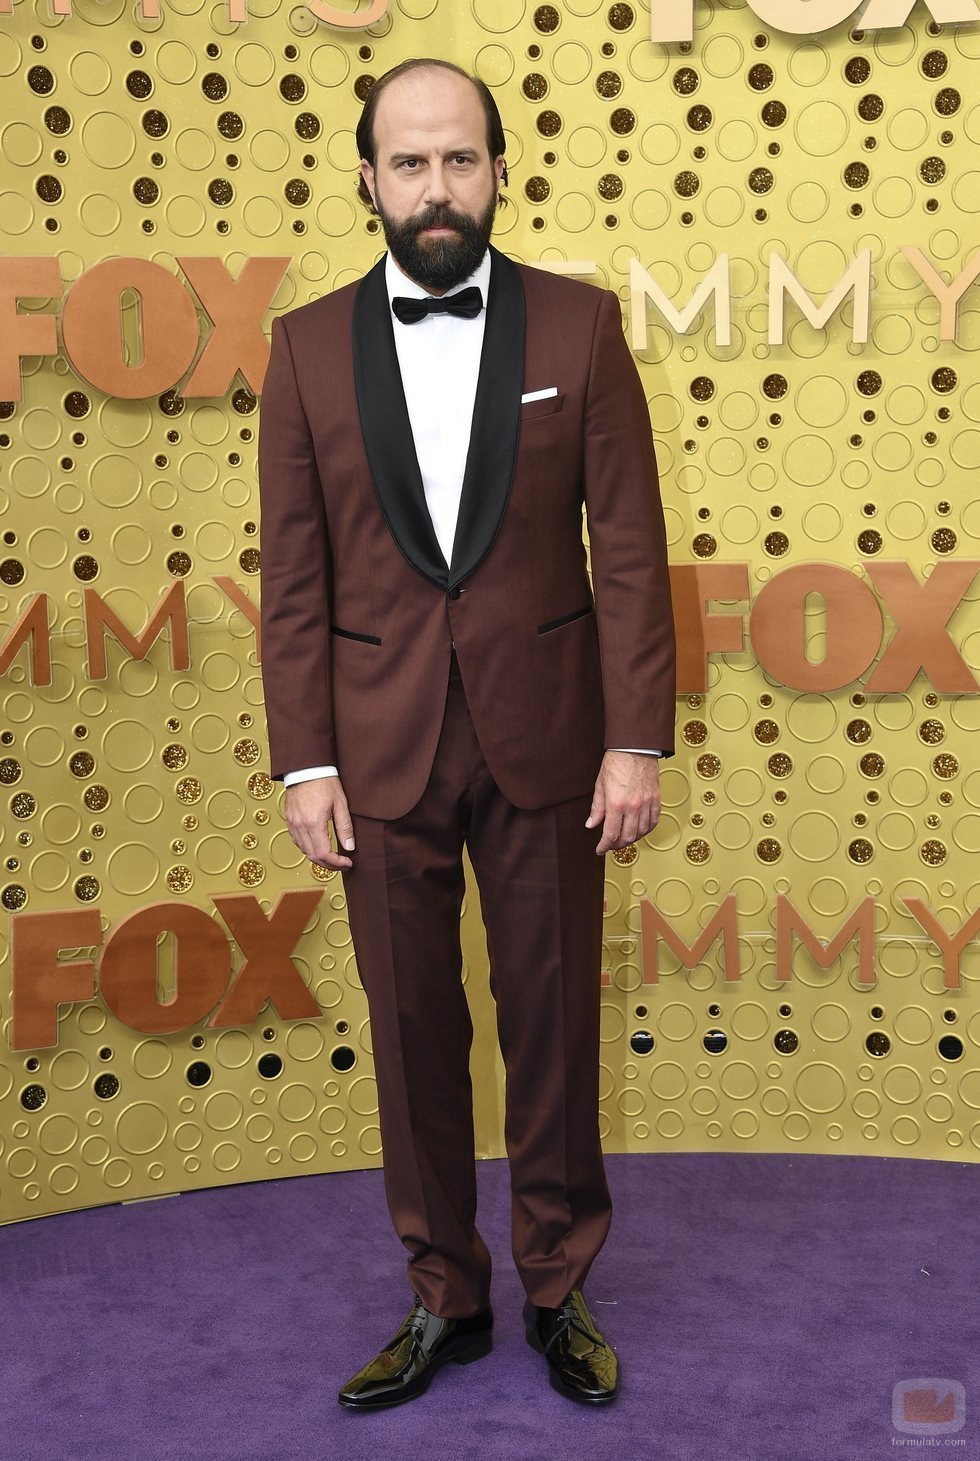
{"x": 785, "y": 196}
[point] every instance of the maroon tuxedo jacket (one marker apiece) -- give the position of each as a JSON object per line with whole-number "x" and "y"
{"x": 359, "y": 608}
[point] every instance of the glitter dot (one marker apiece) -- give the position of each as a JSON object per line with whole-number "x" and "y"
{"x": 857, "y": 70}
{"x": 870, "y": 107}
{"x": 292, "y": 88}
{"x": 931, "y": 732}
{"x": 857, "y": 174}
{"x": 621, "y": 17}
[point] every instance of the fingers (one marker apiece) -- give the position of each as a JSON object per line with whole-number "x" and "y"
{"x": 342, "y": 824}
{"x": 626, "y": 799}
{"x": 330, "y": 859}
{"x": 625, "y": 825}
{"x": 314, "y": 843}
{"x": 610, "y": 834}
{"x": 627, "y": 832}
{"x": 309, "y": 808}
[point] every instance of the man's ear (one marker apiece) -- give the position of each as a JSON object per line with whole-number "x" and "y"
{"x": 367, "y": 173}
{"x": 500, "y": 168}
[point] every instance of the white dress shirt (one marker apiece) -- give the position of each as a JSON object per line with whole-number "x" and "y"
{"x": 439, "y": 361}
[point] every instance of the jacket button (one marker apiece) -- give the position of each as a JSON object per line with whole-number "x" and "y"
{"x": 454, "y": 593}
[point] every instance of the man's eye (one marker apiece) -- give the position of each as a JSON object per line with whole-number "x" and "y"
{"x": 410, "y": 162}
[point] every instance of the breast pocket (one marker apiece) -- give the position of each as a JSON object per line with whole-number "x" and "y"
{"x": 547, "y": 406}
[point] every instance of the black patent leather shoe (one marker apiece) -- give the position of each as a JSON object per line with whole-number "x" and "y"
{"x": 423, "y": 1342}
{"x": 581, "y": 1364}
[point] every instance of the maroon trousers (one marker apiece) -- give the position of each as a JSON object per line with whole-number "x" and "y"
{"x": 541, "y": 892}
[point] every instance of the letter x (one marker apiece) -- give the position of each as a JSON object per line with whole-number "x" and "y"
{"x": 268, "y": 972}
{"x": 921, "y": 639}
{"x": 236, "y": 308}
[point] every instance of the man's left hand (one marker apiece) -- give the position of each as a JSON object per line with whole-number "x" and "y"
{"x": 626, "y": 798}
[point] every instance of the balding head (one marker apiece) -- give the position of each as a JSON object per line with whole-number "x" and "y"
{"x": 430, "y": 77}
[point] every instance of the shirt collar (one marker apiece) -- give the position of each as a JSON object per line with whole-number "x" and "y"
{"x": 399, "y": 283}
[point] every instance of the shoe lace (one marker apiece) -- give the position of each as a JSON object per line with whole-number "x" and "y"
{"x": 568, "y": 1319}
{"x": 416, "y": 1320}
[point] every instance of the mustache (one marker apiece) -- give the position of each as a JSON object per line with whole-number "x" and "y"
{"x": 440, "y": 215}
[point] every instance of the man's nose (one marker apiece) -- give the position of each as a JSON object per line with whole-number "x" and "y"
{"x": 437, "y": 185}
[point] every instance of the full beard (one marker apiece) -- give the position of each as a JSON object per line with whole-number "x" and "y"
{"x": 441, "y": 262}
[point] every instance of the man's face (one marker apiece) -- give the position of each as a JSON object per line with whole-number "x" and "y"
{"x": 434, "y": 184}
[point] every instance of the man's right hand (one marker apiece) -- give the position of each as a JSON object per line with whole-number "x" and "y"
{"x": 309, "y": 808}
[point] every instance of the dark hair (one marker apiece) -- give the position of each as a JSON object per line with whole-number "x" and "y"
{"x": 496, "y": 142}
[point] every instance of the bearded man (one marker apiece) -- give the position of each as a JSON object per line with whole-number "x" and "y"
{"x": 439, "y": 670}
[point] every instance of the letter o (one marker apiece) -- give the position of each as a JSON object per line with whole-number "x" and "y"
{"x": 128, "y": 969}
{"x": 350, "y": 20}
{"x": 803, "y": 17}
{"x": 854, "y": 627}
{"x": 92, "y": 329}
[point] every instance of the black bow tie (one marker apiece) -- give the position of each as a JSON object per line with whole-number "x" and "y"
{"x": 467, "y": 304}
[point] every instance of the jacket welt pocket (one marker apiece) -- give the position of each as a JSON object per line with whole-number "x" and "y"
{"x": 543, "y": 406}
{"x": 565, "y": 619}
{"x": 349, "y": 634}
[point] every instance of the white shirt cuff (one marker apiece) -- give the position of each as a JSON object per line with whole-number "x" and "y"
{"x": 309, "y": 774}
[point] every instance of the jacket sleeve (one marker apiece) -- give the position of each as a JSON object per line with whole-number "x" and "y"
{"x": 296, "y": 568}
{"x": 627, "y": 546}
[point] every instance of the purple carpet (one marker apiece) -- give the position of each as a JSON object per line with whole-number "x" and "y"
{"x": 763, "y": 1308}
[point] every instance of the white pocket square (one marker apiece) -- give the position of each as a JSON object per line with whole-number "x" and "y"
{"x": 539, "y": 395}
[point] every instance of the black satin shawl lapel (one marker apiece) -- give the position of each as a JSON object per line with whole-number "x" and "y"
{"x": 492, "y": 451}
{"x": 387, "y": 430}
